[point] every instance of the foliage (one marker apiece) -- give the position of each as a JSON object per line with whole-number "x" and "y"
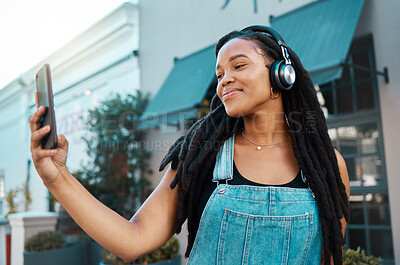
{"x": 111, "y": 259}
{"x": 167, "y": 251}
{"x": 45, "y": 240}
{"x": 12, "y": 195}
{"x": 10, "y": 199}
{"x": 52, "y": 202}
{"x": 117, "y": 160}
{"x": 358, "y": 257}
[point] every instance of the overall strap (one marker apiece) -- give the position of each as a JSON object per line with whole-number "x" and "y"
{"x": 223, "y": 169}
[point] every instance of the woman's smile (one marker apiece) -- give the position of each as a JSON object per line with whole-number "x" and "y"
{"x": 230, "y": 93}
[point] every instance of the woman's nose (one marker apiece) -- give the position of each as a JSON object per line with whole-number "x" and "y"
{"x": 227, "y": 79}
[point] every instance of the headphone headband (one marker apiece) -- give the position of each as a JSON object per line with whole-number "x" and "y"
{"x": 275, "y": 35}
{"x": 282, "y": 73}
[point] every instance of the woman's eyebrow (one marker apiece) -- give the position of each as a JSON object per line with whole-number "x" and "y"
{"x": 234, "y": 57}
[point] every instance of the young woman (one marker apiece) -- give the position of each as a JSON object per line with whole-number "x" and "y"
{"x": 257, "y": 179}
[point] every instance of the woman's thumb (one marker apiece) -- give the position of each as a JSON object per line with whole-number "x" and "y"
{"x": 62, "y": 142}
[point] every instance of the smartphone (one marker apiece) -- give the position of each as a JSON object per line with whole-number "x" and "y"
{"x": 45, "y": 98}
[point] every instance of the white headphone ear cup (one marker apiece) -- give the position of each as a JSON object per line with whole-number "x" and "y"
{"x": 287, "y": 76}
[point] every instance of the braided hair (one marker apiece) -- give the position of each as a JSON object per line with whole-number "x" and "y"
{"x": 194, "y": 154}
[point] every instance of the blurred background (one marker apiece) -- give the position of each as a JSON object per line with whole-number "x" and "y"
{"x": 130, "y": 77}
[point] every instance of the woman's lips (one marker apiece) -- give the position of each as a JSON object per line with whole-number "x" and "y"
{"x": 231, "y": 94}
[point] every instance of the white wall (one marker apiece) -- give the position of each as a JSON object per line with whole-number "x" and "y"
{"x": 12, "y": 137}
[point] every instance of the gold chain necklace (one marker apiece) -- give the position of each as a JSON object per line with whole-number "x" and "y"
{"x": 260, "y": 145}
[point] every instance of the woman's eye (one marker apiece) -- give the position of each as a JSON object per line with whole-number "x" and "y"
{"x": 219, "y": 76}
{"x": 239, "y": 66}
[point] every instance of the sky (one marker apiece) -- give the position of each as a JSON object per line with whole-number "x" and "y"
{"x": 31, "y": 30}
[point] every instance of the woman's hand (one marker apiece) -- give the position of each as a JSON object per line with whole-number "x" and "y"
{"x": 48, "y": 162}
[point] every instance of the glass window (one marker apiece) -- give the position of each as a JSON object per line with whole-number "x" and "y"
{"x": 345, "y": 78}
{"x": 353, "y": 170}
{"x": 378, "y": 209}
{"x": 361, "y": 58}
{"x": 357, "y": 209}
{"x": 368, "y": 134}
{"x": 344, "y": 99}
{"x": 365, "y": 95}
{"x": 370, "y": 169}
{"x": 356, "y": 139}
{"x": 326, "y": 92}
{"x": 381, "y": 243}
{"x": 357, "y": 238}
{"x": 347, "y": 139}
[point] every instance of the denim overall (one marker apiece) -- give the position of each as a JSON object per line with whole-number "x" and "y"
{"x": 255, "y": 225}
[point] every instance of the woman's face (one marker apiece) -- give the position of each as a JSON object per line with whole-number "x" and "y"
{"x": 243, "y": 78}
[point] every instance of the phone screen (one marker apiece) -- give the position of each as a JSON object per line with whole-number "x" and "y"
{"x": 45, "y": 98}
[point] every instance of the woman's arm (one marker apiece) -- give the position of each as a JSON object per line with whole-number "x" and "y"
{"x": 148, "y": 229}
{"x": 345, "y": 178}
{"x": 151, "y": 226}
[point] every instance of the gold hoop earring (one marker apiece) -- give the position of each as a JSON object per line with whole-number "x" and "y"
{"x": 272, "y": 94}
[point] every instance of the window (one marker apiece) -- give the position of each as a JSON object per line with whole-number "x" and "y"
{"x": 351, "y": 106}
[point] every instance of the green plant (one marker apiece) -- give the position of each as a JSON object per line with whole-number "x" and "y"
{"x": 10, "y": 199}
{"x": 117, "y": 163}
{"x": 358, "y": 257}
{"x": 169, "y": 250}
{"x": 11, "y": 196}
{"x": 111, "y": 259}
{"x": 45, "y": 240}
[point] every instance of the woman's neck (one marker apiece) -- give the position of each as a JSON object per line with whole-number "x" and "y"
{"x": 266, "y": 128}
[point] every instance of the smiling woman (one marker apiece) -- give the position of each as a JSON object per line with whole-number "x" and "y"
{"x": 285, "y": 200}
{"x": 257, "y": 178}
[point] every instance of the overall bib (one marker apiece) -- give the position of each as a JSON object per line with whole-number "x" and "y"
{"x": 243, "y": 224}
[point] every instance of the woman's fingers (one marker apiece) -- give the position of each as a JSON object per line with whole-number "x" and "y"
{"x": 34, "y": 121}
{"x": 38, "y": 135}
{"x": 42, "y": 153}
{"x": 62, "y": 142}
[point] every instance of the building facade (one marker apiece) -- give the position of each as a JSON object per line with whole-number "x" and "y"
{"x": 99, "y": 62}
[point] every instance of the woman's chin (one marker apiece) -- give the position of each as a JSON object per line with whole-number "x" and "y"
{"x": 234, "y": 112}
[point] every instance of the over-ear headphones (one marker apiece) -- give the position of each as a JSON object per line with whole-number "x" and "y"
{"x": 282, "y": 73}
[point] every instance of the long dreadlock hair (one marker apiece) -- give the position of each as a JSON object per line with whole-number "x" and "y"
{"x": 194, "y": 154}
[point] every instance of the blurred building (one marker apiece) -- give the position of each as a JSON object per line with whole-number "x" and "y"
{"x": 100, "y": 61}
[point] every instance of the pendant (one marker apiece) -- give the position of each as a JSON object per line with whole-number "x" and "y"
{"x": 259, "y": 147}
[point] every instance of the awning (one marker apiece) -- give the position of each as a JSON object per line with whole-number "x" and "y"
{"x": 320, "y": 33}
{"x": 182, "y": 91}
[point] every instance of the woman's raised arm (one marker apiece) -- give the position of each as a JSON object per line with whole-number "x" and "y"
{"x": 148, "y": 229}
